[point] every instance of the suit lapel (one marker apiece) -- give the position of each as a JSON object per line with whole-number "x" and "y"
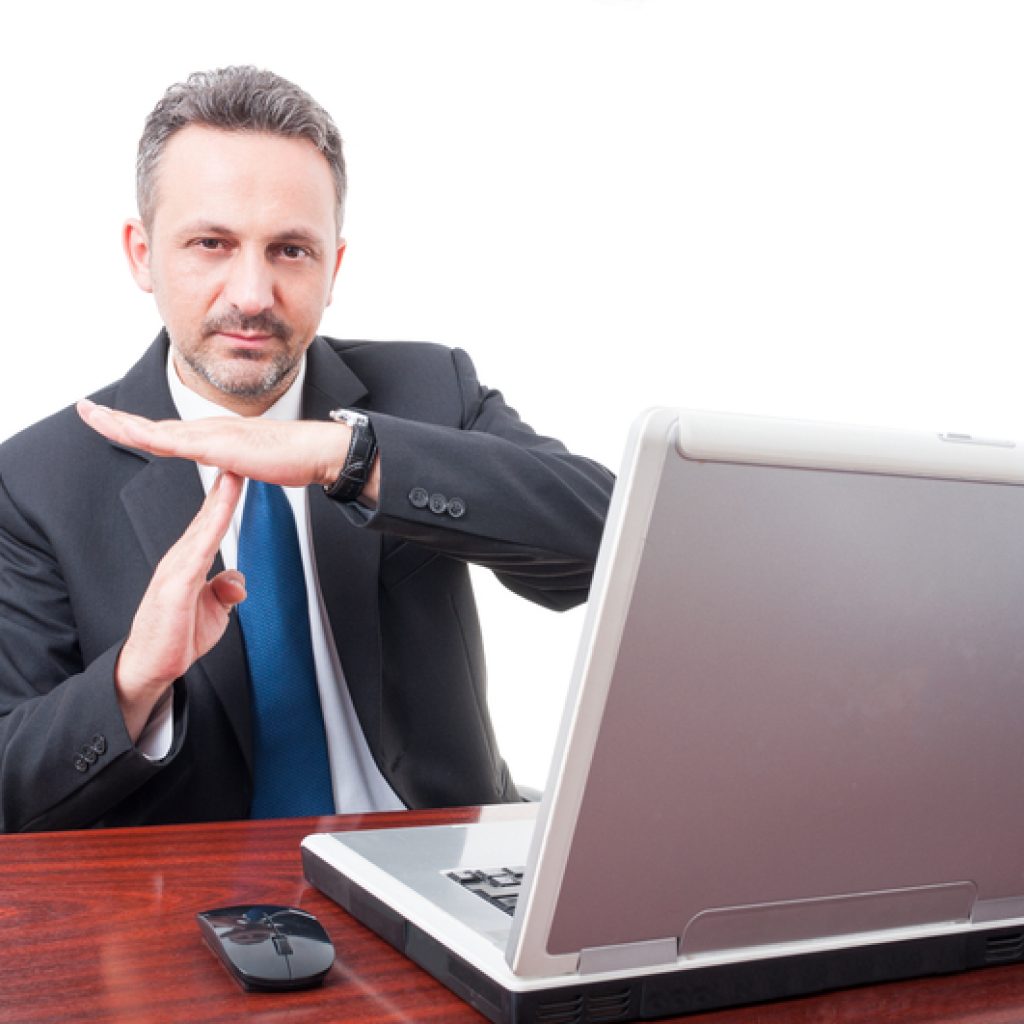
{"x": 347, "y": 557}
{"x": 161, "y": 500}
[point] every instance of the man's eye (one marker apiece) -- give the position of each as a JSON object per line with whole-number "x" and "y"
{"x": 294, "y": 252}
{"x": 210, "y": 244}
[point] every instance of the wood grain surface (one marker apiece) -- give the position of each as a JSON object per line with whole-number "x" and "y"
{"x": 100, "y": 926}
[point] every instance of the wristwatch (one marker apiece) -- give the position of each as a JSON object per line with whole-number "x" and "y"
{"x": 362, "y": 450}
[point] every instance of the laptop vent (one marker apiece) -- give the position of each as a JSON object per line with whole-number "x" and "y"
{"x": 596, "y": 1008}
{"x": 609, "y": 1007}
{"x": 1003, "y": 949}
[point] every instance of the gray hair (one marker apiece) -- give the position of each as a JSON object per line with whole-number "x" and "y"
{"x": 236, "y": 99}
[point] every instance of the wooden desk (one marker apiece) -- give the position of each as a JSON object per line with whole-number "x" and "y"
{"x": 100, "y": 926}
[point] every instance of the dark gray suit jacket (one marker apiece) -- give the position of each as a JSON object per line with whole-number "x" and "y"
{"x": 83, "y": 523}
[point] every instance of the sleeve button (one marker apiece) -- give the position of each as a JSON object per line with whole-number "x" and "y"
{"x": 81, "y": 765}
{"x": 418, "y": 497}
{"x": 456, "y": 508}
{"x": 99, "y": 744}
{"x": 438, "y": 504}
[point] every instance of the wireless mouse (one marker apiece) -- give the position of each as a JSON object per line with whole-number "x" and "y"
{"x": 265, "y": 946}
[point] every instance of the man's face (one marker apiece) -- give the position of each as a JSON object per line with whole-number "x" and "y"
{"x": 241, "y": 257}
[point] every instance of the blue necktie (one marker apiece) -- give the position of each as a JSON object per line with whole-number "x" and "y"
{"x": 292, "y": 775}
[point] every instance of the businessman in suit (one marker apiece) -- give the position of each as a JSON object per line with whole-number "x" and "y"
{"x": 130, "y": 692}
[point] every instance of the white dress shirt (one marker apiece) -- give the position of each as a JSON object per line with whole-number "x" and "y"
{"x": 358, "y": 783}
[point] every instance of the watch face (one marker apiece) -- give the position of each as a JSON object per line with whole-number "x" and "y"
{"x": 349, "y": 417}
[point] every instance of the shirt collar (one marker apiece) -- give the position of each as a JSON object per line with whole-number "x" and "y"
{"x": 191, "y": 406}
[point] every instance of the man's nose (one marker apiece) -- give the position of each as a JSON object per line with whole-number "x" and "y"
{"x": 250, "y": 284}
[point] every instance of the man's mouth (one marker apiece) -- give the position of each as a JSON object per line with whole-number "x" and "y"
{"x": 247, "y": 345}
{"x": 244, "y": 339}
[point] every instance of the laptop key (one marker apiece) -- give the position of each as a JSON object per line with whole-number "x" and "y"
{"x": 466, "y": 877}
{"x": 498, "y": 886}
{"x": 507, "y": 902}
{"x": 504, "y": 878}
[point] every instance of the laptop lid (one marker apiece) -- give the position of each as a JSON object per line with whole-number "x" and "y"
{"x": 797, "y": 710}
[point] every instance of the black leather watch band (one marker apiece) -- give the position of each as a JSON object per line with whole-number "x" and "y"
{"x": 362, "y": 450}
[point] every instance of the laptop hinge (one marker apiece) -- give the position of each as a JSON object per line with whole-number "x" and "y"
{"x": 628, "y": 955}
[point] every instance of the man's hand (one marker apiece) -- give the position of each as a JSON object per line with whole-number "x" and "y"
{"x": 182, "y": 614}
{"x": 292, "y": 454}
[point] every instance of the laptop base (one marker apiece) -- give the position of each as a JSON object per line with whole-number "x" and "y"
{"x": 691, "y": 990}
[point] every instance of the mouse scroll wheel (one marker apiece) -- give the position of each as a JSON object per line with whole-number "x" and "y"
{"x": 282, "y": 945}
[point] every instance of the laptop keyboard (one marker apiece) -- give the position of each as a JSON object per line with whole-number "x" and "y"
{"x": 499, "y": 886}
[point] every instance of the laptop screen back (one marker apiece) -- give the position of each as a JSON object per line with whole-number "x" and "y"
{"x": 806, "y": 717}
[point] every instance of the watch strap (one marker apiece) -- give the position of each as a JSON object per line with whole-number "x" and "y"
{"x": 362, "y": 450}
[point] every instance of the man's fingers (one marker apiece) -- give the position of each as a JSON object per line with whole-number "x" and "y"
{"x": 194, "y": 552}
{"x": 292, "y": 454}
{"x": 161, "y": 437}
{"x": 229, "y": 588}
{"x": 116, "y": 426}
{"x": 197, "y": 440}
{"x": 214, "y": 516}
{"x": 228, "y": 442}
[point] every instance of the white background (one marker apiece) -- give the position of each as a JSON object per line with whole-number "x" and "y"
{"x": 798, "y": 208}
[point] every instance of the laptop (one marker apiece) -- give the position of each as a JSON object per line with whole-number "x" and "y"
{"x": 792, "y": 753}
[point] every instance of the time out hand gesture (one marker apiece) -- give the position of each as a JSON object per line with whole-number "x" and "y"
{"x": 183, "y": 614}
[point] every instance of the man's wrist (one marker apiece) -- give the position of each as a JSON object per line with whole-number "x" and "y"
{"x": 137, "y": 693}
{"x": 360, "y": 459}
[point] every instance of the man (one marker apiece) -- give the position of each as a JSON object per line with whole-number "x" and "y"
{"x": 130, "y": 692}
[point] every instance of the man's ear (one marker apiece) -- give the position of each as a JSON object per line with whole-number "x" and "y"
{"x": 136, "y": 248}
{"x": 337, "y": 266}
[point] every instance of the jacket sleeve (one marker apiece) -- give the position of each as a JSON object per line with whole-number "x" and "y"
{"x": 65, "y": 754}
{"x": 487, "y": 489}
